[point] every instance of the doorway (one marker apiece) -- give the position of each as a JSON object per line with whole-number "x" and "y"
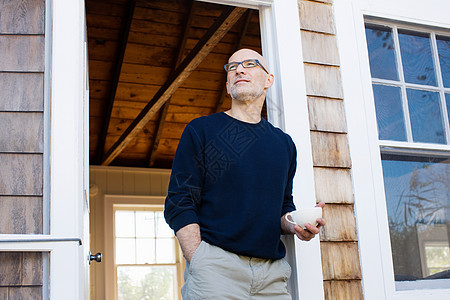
{"x": 136, "y": 48}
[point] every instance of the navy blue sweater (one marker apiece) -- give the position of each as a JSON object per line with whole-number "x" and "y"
{"x": 235, "y": 180}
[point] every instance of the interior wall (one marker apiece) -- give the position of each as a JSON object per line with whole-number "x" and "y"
{"x": 116, "y": 181}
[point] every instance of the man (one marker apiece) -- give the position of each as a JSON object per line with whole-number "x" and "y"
{"x": 230, "y": 187}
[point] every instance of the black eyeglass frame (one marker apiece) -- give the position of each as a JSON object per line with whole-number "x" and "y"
{"x": 242, "y": 63}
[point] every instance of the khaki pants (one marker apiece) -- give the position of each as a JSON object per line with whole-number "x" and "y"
{"x": 218, "y": 274}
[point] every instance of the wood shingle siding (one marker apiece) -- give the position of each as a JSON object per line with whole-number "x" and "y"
{"x": 24, "y": 215}
{"x": 327, "y": 115}
{"x": 338, "y": 182}
{"x": 20, "y": 269}
{"x": 331, "y": 156}
{"x": 319, "y": 48}
{"x": 25, "y": 53}
{"x": 22, "y": 17}
{"x": 341, "y": 224}
{"x": 22, "y": 66}
{"x": 21, "y": 174}
{"x": 317, "y": 17}
{"x": 343, "y": 290}
{"x": 330, "y": 150}
{"x": 21, "y": 293}
{"x": 22, "y": 92}
{"x": 323, "y": 80}
{"x": 340, "y": 261}
{"x": 22, "y": 132}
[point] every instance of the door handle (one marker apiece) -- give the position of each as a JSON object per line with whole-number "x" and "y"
{"x": 97, "y": 257}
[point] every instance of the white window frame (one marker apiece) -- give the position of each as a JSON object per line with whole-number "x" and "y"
{"x": 178, "y": 258}
{"x": 110, "y": 201}
{"x": 370, "y": 205}
{"x": 400, "y": 83}
{"x": 287, "y": 108}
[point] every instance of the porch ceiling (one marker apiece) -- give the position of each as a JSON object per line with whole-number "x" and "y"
{"x": 134, "y": 48}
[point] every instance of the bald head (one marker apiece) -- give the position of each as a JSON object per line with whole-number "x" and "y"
{"x": 248, "y": 83}
{"x": 244, "y": 54}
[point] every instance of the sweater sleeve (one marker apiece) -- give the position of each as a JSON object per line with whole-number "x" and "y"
{"x": 288, "y": 203}
{"x": 183, "y": 197}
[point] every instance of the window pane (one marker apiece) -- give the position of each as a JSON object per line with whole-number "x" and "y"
{"x": 125, "y": 251}
{"x": 145, "y": 224}
{"x": 443, "y": 44}
{"x": 145, "y": 282}
{"x": 165, "y": 250}
{"x": 124, "y": 223}
{"x": 162, "y": 229}
{"x": 145, "y": 251}
{"x": 426, "y": 117}
{"x": 381, "y": 52}
{"x": 418, "y": 204}
{"x": 388, "y": 105}
{"x": 417, "y": 58}
{"x": 447, "y": 98}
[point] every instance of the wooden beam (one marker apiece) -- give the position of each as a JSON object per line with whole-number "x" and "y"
{"x": 115, "y": 81}
{"x": 238, "y": 45}
{"x": 224, "y": 23}
{"x": 165, "y": 109}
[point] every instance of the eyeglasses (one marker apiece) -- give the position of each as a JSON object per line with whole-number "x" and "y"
{"x": 248, "y": 63}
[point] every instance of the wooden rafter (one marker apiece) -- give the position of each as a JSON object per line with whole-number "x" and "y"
{"x": 215, "y": 33}
{"x": 238, "y": 45}
{"x": 165, "y": 109}
{"x": 115, "y": 81}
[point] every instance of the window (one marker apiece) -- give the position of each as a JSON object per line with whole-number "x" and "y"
{"x": 145, "y": 254}
{"x": 410, "y": 69}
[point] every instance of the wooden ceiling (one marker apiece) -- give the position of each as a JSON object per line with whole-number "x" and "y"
{"x": 154, "y": 65}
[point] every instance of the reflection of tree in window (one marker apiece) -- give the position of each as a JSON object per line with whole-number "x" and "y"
{"x": 417, "y": 57}
{"x": 425, "y": 115}
{"x": 443, "y": 46}
{"x": 418, "y": 201}
{"x": 381, "y": 52}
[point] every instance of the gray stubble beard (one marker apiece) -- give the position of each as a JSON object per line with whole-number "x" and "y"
{"x": 245, "y": 95}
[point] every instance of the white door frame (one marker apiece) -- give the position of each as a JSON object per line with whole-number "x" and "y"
{"x": 287, "y": 108}
{"x": 63, "y": 241}
{"x": 68, "y": 162}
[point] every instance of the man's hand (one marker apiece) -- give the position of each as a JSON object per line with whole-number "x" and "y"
{"x": 303, "y": 234}
{"x": 189, "y": 238}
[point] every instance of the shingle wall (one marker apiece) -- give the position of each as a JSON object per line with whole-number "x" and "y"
{"x": 331, "y": 156}
{"x": 22, "y": 66}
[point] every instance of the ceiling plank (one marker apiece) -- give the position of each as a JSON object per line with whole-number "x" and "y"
{"x": 238, "y": 45}
{"x": 163, "y": 112}
{"x": 115, "y": 81}
{"x": 215, "y": 33}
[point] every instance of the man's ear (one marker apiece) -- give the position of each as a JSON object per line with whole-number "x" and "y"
{"x": 228, "y": 88}
{"x": 269, "y": 81}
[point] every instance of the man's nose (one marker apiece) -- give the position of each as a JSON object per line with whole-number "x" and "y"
{"x": 240, "y": 69}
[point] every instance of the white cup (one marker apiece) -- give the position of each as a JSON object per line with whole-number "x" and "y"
{"x": 305, "y": 215}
